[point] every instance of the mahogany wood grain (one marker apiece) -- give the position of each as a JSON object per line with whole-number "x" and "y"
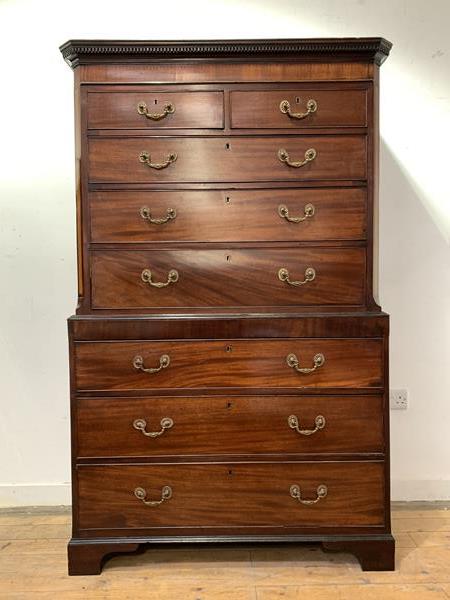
{"x": 229, "y": 363}
{"x": 228, "y": 277}
{"x": 116, "y": 160}
{"x": 118, "y": 110}
{"x": 232, "y": 325}
{"x": 230, "y": 494}
{"x": 229, "y": 425}
{"x": 230, "y": 456}
{"x": 196, "y": 72}
{"x": 261, "y": 109}
{"x": 228, "y": 215}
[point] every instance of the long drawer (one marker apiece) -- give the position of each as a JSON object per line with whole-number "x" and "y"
{"x": 201, "y": 425}
{"x": 228, "y": 215}
{"x": 149, "y": 109}
{"x": 298, "y": 108}
{"x": 211, "y": 159}
{"x": 239, "y": 494}
{"x": 332, "y": 363}
{"x": 240, "y": 277}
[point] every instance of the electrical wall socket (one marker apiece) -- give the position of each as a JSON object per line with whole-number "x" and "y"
{"x": 398, "y": 399}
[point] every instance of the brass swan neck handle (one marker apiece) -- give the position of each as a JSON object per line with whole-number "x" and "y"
{"x": 294, "y": 423}
{"x": 293, "y": 362}
{"x": 168, "y": 109}
{"x": 283, "y": 156}
{"x": 296, "y": 493}
{"x": 311, "y": 107}
{"x": 141, "y": 424}
{"x": 141, "y": 494}
{"x": 144, "y": 157}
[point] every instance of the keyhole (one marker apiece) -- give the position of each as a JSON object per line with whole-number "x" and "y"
{"x": 230, "y": 472}
{"x": 227, "y": 145}
{"x": 297, "y": 100}
{"x": 228, "y": 258}
{"x": 228, "y": 199}
{"x": 156, "y": 101}
{"x": 228, "y": 348}
{"x": 229, "y": 404}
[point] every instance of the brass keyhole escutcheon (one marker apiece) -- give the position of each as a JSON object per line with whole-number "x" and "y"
{"x": 228, "y": 348}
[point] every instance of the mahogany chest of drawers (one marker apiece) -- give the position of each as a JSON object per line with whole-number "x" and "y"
{"x": 229, "y": 358}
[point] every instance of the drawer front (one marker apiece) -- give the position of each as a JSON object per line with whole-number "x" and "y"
{"x": 215, "y": 495}
{"x": 170, "y": 426}
{"x": 115, "y": 160}
{"x": 229, "y": 215}
{"x": 292, "y": 109}
{"x": 349, "y": 363}
{"x": 195, "y": 278}
{"x": 161, "y": 110}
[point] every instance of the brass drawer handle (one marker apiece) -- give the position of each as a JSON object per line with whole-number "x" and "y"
{"x": 168, "y": 109}
{"x": 293, "y": 423}
{"x": 172, "y": 277}
{"x": 145, "y": 157}
{"x": 310, "y": 275}
{"x": 141, "y": 424}
{"x": 141, "y": 494}
{"x": 296, "y": 493}
{"x": 285, "y": 108}
{"x": 284, "y": 157}
{"x": 138, "y": 363}
{"x": 293, "y": 362}
{"x": 146, "y": 214}
{"x": 308, "y": 212}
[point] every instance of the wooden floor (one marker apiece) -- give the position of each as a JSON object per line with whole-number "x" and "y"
{"x": 33, "y": 565}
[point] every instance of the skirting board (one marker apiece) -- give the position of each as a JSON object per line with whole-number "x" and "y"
{"x": 59, "y": 494}
{"x": 35, "y": 494}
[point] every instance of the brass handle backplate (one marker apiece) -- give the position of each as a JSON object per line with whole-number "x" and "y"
{"x": 168, "y": 109}
{"x": 296, "y": 493}
{"x": 293, "y": 362}
{"x": 141, "y": 494}
{"x": 144, "y": 157}
{"x": 308, "y": 212}
{"x": 293, "y": 423}
{"x": 283, "y": 155}
{"x": 138, "y": 363}
{"x": 285, "y": 108}
{"x": 172, "y": 277}
{"x": 141, "y": 424}
{"x": 146, "y": 214}
{"x": 283, "y": 275}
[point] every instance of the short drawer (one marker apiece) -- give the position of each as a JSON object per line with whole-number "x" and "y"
{"x": 330, "y": 363}
{"x": 228, "y": 215}
{"x": 189, "y": 159}
{"x": 128, "y": 279}
{"x": 218, "y": 425}
{"x": 235, "y": 494}
{"x": 160, "y": 110}
{"x": 300, "y": 108}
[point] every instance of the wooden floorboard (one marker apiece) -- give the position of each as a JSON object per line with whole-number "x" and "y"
{"x": 33, "y": 565}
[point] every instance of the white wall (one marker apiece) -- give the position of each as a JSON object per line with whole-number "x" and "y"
{"x": 37, "y": 216}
